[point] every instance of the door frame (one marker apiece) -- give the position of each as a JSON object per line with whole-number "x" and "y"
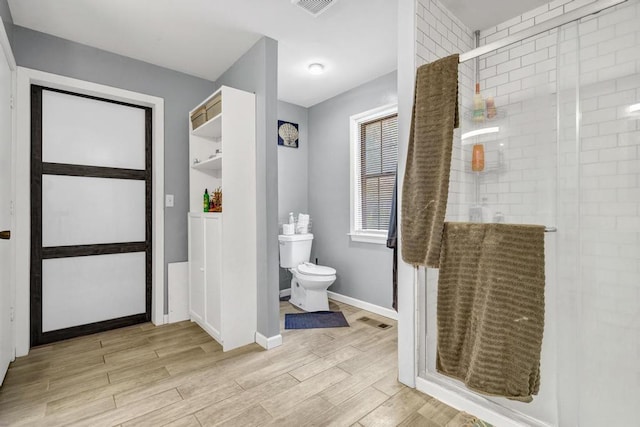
{"x": 5, "y": 45}
{"x": 22, "y": 159}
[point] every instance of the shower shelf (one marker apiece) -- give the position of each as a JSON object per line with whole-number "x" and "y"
{"x": 501, "y": 113}
{"x": 489, "y": 168}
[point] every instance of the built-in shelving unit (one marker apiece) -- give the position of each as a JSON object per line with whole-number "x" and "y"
{"x": 222, "y": 246}
{"x": 212, "y": 128}
{"x": 211, "y": 164}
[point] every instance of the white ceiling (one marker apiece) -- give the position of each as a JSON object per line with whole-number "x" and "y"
{"x": 480, "y": 15}
{"x": 356, "y": 40}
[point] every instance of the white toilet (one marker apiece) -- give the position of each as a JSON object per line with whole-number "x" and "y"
{"x": 309, "y": 282}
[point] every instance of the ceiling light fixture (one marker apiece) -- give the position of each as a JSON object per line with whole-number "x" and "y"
{"x": 316, "y": 68}
{"x": 634, "y": 108}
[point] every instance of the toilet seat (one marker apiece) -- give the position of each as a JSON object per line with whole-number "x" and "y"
{"x": 310, "y": 269}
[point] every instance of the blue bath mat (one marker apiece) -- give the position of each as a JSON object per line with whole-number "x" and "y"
{"x": 316, "y": 319}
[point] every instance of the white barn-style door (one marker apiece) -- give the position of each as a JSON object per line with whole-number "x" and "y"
{"x": 90, "y": 214}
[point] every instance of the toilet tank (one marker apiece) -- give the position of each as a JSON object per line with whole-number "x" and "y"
{"x": 295, "y": 249}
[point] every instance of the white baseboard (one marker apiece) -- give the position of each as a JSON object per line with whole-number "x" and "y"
{"x": 474, "y": 404}
{"x": 268, "y": 343}
{"x": 382, "y": 311}
{"x": 285, "y": 292}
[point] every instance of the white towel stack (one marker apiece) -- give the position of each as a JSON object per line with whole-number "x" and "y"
{"x": 302, "y": 225}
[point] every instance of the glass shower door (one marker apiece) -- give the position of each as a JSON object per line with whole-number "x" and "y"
{"x": 608, "y": 199}
{"x": 516, "y": 185}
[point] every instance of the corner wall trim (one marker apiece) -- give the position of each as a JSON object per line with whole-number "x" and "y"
{"x": 382, "y": 311}
{"x": 268, "y": 343}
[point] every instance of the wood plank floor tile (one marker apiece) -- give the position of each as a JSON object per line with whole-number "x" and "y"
{"x": 73, "y": 414}
{"x": 175, "y": 411}
{"x": 108, "y": 389}
{"x": 188, "y": 421}
{"x": 287, "y": 400}
{"x": 354, "y": 384}
{"x": 276, "y": 369}
{"x": 332, "y": 359}
{"x": 303, "y": 413}
{"x": 351, "y": 410}
{"x": 229, "y": 408}
{"x": 417, "y": 420}
{"x": 123, "y": 414}
{"x": 395, "y": 409}
{"x": 389, "y": 384}
{"x": 256, "y": 415}
{"x": 437, "y": 411}
{"x": 116, "y": 375}
{"x": 176, "y": 375}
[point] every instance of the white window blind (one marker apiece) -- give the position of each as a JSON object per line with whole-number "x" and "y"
{"x": 374, "y": 164}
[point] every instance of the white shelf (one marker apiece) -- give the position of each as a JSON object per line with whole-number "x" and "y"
{"x": 210, "y": 129}
{"x": 205, "y": 214}
{"x": 212, "y": 164}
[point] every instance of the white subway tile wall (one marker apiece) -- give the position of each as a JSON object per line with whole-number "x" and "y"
{"x": 438, "y": 34}
{"x": 543, "y": 169}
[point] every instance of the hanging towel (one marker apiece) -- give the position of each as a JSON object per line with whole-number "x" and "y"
{"x": 426, "y": 179}
{"x": 491, "y": 307}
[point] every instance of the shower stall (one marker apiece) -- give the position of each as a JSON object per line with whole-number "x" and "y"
{"x": 562, "y": 149}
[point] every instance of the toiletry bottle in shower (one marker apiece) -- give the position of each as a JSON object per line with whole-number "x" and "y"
{"x": 486, "y": 212}
{"x": 477, "y": 158}
{"x": 478, "y": 105}
{"x": 491, "y": 108}
{"x": 205, "y": 201}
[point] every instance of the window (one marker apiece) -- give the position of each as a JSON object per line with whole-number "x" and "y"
{"x": 374, "y": 160}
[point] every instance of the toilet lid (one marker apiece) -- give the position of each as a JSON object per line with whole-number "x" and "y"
{"x": 316, "y": 270}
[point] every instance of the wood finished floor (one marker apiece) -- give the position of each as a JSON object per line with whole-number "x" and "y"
{"x": 176, "y": 375}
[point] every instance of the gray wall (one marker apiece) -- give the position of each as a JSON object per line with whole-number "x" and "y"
{"x": 7, "y": 19}
{"x": 5, "y": 12}
{"x": 364, "y": 270}
{"x": 181, "y": 92}
{"x": 256, "y": 71}
{"x": 293, "y": 183}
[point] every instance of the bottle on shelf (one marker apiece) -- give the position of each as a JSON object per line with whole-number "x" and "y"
{"x": 477, "y": 158}
{"x": 205, "y": 201}
{"x": 478, "y": 105}
{"x": 486, "y": 211}
{"x": 491, "y": 108}
{"x": 475, "y": 213}
{"x": 291, "y": 219}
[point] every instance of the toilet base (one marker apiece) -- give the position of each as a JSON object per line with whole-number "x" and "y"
{"x": 308, "y": 299}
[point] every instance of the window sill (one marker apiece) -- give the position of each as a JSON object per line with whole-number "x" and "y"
{"x": 377, "y": 239}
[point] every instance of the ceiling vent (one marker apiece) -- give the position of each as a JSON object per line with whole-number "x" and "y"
{"x": 314, "y": 7}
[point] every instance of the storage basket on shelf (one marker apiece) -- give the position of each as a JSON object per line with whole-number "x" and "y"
{"x": 198, "y": 118}
{"x": 213, "y": 107}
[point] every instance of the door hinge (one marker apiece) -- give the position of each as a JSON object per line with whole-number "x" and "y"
{"x": 11, "y": 102}
{"x": 12, "y": 314}
{"x": 11, "y": 208}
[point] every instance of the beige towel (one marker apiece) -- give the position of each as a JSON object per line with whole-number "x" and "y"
{"x": 491, "y": 307}
{"x": 426, "y": 179}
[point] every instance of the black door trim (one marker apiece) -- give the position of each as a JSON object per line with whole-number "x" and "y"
{"x": 38, "y": 253}
{"x": 91, "y": 171}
